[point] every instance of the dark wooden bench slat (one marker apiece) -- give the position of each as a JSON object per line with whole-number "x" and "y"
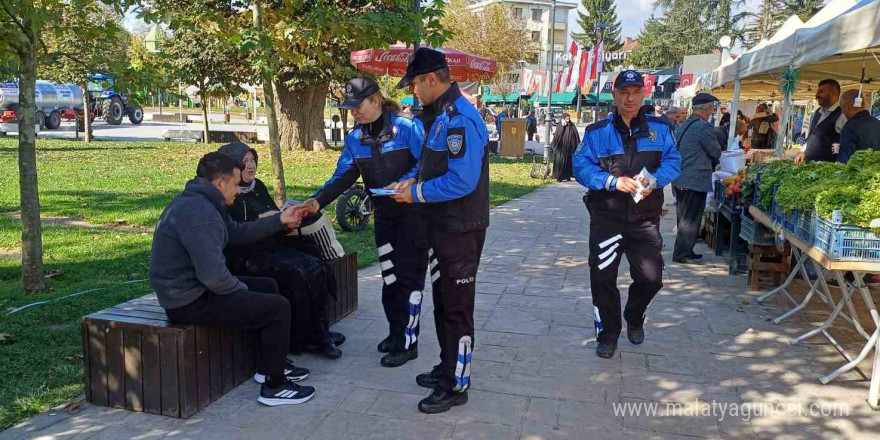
{"x": 227, "y": 365}
{"x": 238, "y": 356}
{"x": 216, "y": 368}
{"x": 168, "y": 372}
{"x": 203, "y": 364}
{"x": 98, "y": 364}
{"x": 188, "y": 382}
{"x": 85, "y": 351}
{"x": 151, "y": 371}
{"x": 115, "y": 367}
{"x": 134, "y": 383}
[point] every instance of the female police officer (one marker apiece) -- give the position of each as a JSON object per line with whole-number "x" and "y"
{"x": 385, "y": 148}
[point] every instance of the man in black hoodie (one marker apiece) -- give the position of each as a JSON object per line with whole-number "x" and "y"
{"x": 188, "y": 271}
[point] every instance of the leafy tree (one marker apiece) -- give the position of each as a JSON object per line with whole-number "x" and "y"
{"x": 491, "y": 33}
{"x": 213, "y": 65}
{"x": 687, "y": 27}
{"x": 75, "y": 55}
{"x": 599, "y": 12}
{"x": 774, "y": 13}
{"x": 24, "y": 28}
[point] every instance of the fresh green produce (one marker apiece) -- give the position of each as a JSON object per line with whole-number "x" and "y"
{"x": 748, "y": 181}
{"x": 772, "y": 174}
{"x": 865, "y": 160}
{"x": 798, "y": 190}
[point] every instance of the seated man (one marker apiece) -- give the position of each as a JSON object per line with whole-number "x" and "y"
{"x": 302, "y": 277}
{"x": 188, "y": 271}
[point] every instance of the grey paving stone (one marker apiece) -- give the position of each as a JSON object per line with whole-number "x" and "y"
{"x": 470, "y": 430}
{"x": 343, "y": 426}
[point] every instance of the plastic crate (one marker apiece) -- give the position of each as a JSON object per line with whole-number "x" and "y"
{"x": 732, "y": 203}
{"x": 755, "y": 233}
{"x": 790, "y": 221}
{"x": 775, "y": 211}
{"x": 806, "y": 225}
{"x": 845, "y": 242}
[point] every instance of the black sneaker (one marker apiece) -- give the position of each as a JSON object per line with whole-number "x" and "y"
{"x": 289, "y": 393}
{"x": 385, "y": 346}
{"x": 635, "y": 334}
{"x": 606, "y": 349}
{"x": 398, "y": 358}
{"x": 441, "y": 401}
{"x": 327, "y": 350}
{"x": 291, "y": 372}
{"x": 430, "y": 380}
{"x": 696, "y": 256}
{"x": 337, "y": 338}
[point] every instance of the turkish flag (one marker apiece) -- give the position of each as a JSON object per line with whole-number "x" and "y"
{"x": 649, "y": 85}
{"x": 686, "y": 80}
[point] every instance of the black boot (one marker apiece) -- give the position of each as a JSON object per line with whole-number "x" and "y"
{"x": 385, "y": 346}
{"x": 635, "y": 334}
{"x": 322, "y": 344}
{"x": 327, "y": 350}
{"x": 606, "y": 349}
{"x": 337, "y": 338}
{"x": 441, "y": 401}
{"x": 431, "y": 379}
{"x": 398, "y": 358}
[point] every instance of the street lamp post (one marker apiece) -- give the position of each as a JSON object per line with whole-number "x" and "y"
{"x": 601, "y": 32}
{"x": 548, "y": 115}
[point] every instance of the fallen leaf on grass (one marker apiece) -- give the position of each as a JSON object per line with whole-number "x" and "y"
{"x": 5, "y": 338}
{"x": 54, "y": 273}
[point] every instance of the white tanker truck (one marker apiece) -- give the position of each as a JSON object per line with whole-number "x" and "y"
{"x": 54, "y": 103}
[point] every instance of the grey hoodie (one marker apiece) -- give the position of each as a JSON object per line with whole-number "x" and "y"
{"x": 187, "y": 257}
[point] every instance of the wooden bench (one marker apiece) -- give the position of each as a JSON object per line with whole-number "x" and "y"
{"x": 134, "y": 358}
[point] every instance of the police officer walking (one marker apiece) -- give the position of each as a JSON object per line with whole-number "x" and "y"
{"x": 608, "y": 162}
{"x": 453, "y": 186}
{"x": 384, "y": 149}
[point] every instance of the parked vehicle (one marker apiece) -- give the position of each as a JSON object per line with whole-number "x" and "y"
{"x": 111, "y": 105}
{"x": 55, "y": 102}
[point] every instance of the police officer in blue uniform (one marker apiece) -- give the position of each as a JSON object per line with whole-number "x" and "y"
{"x": 384, "y": 149}
{"x": 452, "y": 186}
{"x": 612, "y": 154}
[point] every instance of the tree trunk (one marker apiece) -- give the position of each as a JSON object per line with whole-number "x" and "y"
{"x": 31, "y": 230}
{"x": 203, "y": 95}
{"x": 87, "y": 123}
{"x": 301, "y": 122}
{"x": 272, "y": 119}
{"x": 344, "y": 113}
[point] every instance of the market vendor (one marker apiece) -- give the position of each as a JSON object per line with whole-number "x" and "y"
{"x": 825, "y": 126}
{"x": 862, "y": 131}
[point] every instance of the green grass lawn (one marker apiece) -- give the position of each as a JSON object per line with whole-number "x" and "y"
{"x": 126, "y": 183}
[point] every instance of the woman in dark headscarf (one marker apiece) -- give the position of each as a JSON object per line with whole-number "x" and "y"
{"x": 302, "y": 277}
{"x": 565, "y": 142}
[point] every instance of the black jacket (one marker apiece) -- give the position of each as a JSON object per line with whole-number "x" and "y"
{"x": 862, "y": 132}
{"x": 248, "y": 206}
{"x": 187, "y": 255}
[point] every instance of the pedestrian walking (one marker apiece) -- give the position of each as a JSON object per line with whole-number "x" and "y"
{"x": 700, "y": 151}
{"x": 625, "y": 207}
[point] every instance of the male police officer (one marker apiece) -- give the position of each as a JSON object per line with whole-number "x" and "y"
{"x": 609, "y": 159}
{"x": 453, "y": 184}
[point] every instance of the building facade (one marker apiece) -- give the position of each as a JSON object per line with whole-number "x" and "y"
{"x": 534, "y": 15}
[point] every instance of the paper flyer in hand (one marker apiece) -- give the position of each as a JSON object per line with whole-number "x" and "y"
{"x": 382, "y": 192}
{"x": 644, "y": 175}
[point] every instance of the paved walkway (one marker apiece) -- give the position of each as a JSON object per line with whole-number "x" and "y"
{"x": 535, "y": 376}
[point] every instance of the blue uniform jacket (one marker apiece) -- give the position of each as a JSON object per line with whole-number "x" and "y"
{"x": 399, "y": 147}
{"x": 610, "y": 149}
{"x": 462, "y": 138}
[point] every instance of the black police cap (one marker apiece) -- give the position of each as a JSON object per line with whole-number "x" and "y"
{"x": 424, "y": 61}
{"x": 628, "y": 78}
{"x": 357, "y": 90}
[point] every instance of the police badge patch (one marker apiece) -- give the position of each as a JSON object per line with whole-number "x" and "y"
{"x": 455, "y": 142}
{"x": 652, "y": 134}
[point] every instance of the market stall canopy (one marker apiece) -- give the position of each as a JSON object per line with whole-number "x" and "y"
{"x": 563, "y": 98}
{"x": 833, "y": 44}
{"x": 496, "y": 99}
{"x": 393, "y": 61}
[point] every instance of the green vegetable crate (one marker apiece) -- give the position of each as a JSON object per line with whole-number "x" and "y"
{"x": 845, "y": 242}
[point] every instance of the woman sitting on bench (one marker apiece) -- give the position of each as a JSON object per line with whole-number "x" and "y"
{"x": 301, "y": 276}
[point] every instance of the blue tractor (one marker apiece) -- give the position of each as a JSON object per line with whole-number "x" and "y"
{"x": 108, "y": 104}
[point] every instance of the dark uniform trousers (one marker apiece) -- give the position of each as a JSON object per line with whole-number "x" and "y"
{"x": 402, "y": 243}
{"x": 454, "y": 260}
{"x": 610, "y": 240}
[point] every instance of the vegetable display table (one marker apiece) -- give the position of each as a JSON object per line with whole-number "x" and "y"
{"x": 804, "y": 253}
